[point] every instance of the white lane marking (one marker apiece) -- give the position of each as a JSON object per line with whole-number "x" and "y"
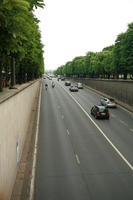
{"x": 112, "y": 115}
{"x": 131, "y": 130}
{"x": 68, "y": 133}
{"x": 124, "y": 123}
{"x": 77, "y": 158}
{"x": 109, "y": 141}
{"x": 125, "y": 110}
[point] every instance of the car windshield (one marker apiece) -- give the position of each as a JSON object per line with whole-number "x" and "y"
{"x": 112, "y": 100}
{"x": 102, "y": 109}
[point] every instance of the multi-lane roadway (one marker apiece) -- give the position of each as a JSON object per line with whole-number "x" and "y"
{"x": 79, "y": 157}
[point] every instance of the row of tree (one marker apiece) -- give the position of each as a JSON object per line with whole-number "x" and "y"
{"x": 21, "y": 50}
{"x": 112, "y": 61}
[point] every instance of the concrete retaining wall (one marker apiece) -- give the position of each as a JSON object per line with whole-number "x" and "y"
{"x": 121, "y": 90}
{"x": 14, "y": 120}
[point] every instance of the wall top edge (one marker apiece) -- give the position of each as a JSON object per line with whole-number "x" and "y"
{"x": 17, "y": 91}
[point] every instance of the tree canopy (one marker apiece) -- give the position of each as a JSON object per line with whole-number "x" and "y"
{"x": 112, "y": 61}
{"x": 20, "y": 39}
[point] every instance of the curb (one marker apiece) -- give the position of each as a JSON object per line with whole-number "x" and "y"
{"x": 31, "y": 194}
{"x": 123, "y": 105}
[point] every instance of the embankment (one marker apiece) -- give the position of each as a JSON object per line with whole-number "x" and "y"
{"x": 15, "y": 114}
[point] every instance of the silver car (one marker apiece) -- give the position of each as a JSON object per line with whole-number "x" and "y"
{"x": 79, "y": 85}
{"x": 108, "y": 102}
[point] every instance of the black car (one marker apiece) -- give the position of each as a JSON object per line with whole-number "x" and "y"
{"x": 100, "y": 112}
{"x": 67, "y": 83}
{"x": 73, "y": 89}
{"x": 62, "y": 78}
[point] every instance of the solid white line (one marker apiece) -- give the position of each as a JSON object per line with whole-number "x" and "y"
{"x": 113, "y": 146}
{"x": 124, "y": 123}
{"x": 31, "y": 196}
{"x": 131, "y": 130}
{"x": 77, "y": 158}
{"x": 68, "y": 132}
{"x": 125, "y": 110}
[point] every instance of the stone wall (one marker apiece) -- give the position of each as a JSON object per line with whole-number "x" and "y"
{"x": 121, "y": 90}
{"x": 15, "y": 115}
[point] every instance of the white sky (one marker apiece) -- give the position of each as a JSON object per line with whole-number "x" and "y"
{"x": 71, "y": 28}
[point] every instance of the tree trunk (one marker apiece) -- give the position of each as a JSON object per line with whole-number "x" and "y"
{"x": 125, "y": 76}
{"x": 12, "y": 72}
{"x": 0, "y": 78}
{"x": 7, "y": 75}
{"x": 20, "y": 75}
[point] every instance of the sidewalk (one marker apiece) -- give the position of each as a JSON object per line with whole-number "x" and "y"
{"x": 7, "y": 93}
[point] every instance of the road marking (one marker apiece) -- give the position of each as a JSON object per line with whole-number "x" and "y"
{"x": 62, "y": 116}
{"x": 112, "y": 115}
{"x": 124, "y": 123}
{"x": 126, "y": 110}
{"x": 68, "y": 132}
{"x": 77, "y": 158}
{"x": 108, "y": 140}
{"x": 131, "y": 130}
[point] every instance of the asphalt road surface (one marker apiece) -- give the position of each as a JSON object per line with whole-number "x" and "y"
{"x": 80, "y": 158}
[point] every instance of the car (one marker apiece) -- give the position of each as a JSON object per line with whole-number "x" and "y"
{"x": 73, "y": 89}
{"x": 67, "y": 83}
{"x": 62, "y": 78}
{"x": 108, "y": 102}
{"x": 100, "y": 112}
{"x": 79, "y": 85}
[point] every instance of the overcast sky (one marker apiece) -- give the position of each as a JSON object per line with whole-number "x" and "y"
{"x": 71, "y": 28}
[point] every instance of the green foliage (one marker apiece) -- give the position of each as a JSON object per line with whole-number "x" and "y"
{"x": 111, "y": 61}
{"x": 20, "y": 36}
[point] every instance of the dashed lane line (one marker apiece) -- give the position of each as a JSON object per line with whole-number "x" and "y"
{"x": 68, "y": 133}
{"x": 104, "y": 135}
{"x": 62, "y": 116}
{"x": 124, "y": 123}
{"x": 77, "y": 158}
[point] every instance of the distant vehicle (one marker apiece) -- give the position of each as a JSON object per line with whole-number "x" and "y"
{"x": 73, "y": 89}
{"x": 53, "y": 84}
{"x": 108, "y": 102}
{"x": 46, "y": 86}
{"x": 67, "y": 83}
{"x": 62, "y": 78}
{"x": 79, "y": 85}
{"x": 100, "y": 112}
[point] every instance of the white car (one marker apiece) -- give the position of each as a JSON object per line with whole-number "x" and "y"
{"x": 79, "y": 86}
{"x": 108, "y": 102}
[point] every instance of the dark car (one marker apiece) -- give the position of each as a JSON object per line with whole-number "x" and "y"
{"x": 62, "y": 78}
{"x": 100, "y": 112}
{"x": 67, "y": 83}
{"x": 73, "y": 89}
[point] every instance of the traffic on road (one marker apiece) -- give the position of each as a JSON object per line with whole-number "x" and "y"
{"x": 81, "y": 155}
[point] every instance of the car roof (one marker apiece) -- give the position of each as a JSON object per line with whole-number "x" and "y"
{"x": 100, "y": 106}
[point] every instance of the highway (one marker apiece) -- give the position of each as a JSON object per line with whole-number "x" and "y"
{"x": 79, "y": 157}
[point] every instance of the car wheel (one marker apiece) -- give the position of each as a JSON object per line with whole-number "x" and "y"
{"x": 95, "y": 116}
